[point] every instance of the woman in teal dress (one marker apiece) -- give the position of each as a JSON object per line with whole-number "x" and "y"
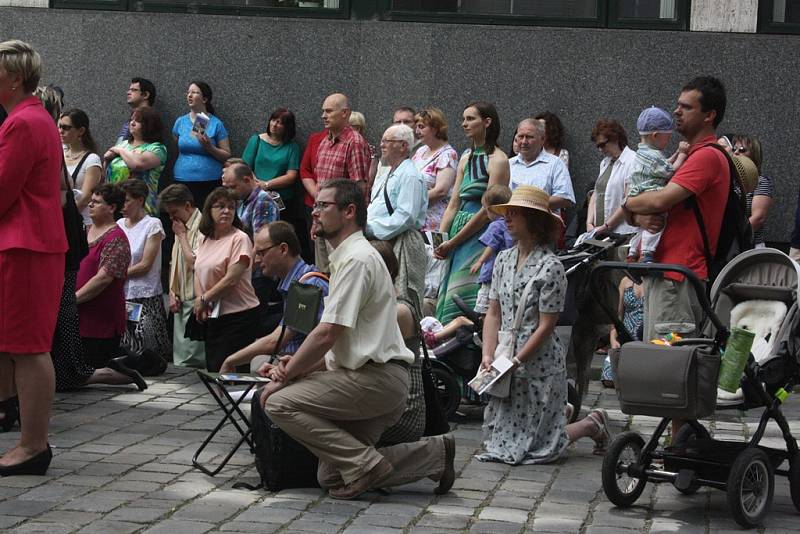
{"x": 464, "y": 219}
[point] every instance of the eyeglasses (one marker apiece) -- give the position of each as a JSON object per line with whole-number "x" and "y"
{"x": 134, "y": 90}
{"x": 320, "y": 205}
{"x": 739, "y": 150}
{"x": 391, "y": 141}
{"x": 65, "y": 127}
{"x": 261, "y": 251}
{"x": 222, "y": 207}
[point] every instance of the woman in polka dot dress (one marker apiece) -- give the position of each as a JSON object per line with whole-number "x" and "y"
{"x": 530, "y": 425}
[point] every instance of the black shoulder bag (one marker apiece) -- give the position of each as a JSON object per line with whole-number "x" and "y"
{"x": 73, "y": 222}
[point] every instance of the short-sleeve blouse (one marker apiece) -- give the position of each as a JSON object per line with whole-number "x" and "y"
{"x": 214, "y": 257}
{"x": 104, "y": 316}
{"x": 118, "y": 171}
{"x": 547, "y": 295}
{"x": 149, "y": 284}
{"x": 194, "y": 163}
{"x": 429, "y": 164}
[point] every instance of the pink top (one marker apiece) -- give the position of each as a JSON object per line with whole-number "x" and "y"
{"x": 104, "y": 316}
{"x": 214, "y": 256}
{"x": 30, "y": 174}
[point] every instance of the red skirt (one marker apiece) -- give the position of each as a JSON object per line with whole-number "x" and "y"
{"x": 30, "y": 293}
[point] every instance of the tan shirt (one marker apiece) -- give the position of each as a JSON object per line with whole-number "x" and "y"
{"x": 362, "y": 298}
{"x": 181, "y": 278}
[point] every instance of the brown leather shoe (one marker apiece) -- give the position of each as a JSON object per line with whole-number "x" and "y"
{"x": 449, "y": 474}
{"x": 372, "y": 479}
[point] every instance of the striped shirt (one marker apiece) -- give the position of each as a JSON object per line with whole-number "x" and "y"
{"x": 763, "y": 188}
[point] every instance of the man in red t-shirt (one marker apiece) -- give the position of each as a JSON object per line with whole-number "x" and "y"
{"x": 670, "y": 302}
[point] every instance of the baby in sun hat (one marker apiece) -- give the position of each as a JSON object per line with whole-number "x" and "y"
{"x": 651, "y": 171}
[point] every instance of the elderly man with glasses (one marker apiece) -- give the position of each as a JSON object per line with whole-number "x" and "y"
{"x": 397, "y": 210}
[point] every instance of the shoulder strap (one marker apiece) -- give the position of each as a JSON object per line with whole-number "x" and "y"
{"x": 78, "y": 167}
{"x": 313, "y": 274}
{"x": 65, "y": 176}
{"x": 521, "y": 305}
{"x": 388, "y": 202}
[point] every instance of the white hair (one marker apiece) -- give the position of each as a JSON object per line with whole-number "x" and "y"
{"x": 403, "y": 133}
{"x": 536, "y": 124}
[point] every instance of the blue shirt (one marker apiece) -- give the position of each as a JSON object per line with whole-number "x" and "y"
{"x": 255, "y": 211}
{"x": 497, "y": 238}
{"x": 547, "y": 172}
{"x": 300, "y": 268}
{"x": 194, "y": 163}
{"x": 408, "y": 195}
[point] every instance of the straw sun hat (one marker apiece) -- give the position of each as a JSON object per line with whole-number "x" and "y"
{"x": 528, "y": 197}
{"x": 747, "y": 171}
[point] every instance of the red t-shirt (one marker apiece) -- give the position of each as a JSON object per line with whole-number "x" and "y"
{"x": 706, "y": 174}
{"x": 309, "y": 161}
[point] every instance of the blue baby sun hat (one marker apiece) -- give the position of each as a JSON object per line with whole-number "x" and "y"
{"x": 653, "y": 120}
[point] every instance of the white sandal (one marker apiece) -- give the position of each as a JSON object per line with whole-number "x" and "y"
{"x": 602, "y": 437}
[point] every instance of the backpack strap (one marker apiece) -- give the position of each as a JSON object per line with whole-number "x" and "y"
{"x": 314, "y": 274}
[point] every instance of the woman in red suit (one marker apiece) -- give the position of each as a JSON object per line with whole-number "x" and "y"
{"x": 32, "y": 246}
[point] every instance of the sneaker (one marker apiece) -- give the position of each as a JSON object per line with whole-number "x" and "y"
{"x": 569, "y": 411}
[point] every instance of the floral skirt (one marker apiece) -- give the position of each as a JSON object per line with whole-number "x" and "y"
{"x": 151, "y": 330}
{"x": 528, "y": 426}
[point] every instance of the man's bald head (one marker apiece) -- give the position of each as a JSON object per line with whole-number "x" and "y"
{"x": 336, "y": 112}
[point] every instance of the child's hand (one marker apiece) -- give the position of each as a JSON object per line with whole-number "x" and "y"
{"x": 683, "y": 147}
{"x": 475, "y": 267}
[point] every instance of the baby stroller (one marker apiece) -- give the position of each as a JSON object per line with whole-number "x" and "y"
{"x": 758, "y": 289}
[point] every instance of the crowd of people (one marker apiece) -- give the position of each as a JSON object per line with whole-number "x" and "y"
{"x": 357, "y": 222}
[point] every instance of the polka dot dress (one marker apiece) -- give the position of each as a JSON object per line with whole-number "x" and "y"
{"x": 72, "y": 371}
{"x": 528, "y": 426}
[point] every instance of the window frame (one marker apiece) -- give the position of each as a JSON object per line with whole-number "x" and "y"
{"x": 767, "y": 25}
{"x": 387, "y": 13}
{"x": 342, "y": 12}
{"x": 681, "y": 22}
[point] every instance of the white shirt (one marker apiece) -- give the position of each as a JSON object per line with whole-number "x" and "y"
{"x": 148, "y": 285}
{"x": 617, "y": 184}
{"x": 92, "y": 160}
{"x": 362, "y": 298}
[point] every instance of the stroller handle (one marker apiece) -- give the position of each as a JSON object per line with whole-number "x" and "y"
{"x": 651, "y": 269}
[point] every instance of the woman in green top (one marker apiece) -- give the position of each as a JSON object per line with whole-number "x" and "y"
{"x": 465, "y": 219}
{"x": 142, "y": 155}
{"x": 274, "y": 157}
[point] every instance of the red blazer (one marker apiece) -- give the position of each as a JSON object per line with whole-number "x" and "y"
{"x": 30, "y": 181}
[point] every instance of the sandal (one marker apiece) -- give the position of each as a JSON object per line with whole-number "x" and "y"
{"x": 602, "y": 437}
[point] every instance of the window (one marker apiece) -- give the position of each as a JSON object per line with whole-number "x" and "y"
{"x": 324, "y": 8}
{"x": 779, "y": 16}
{"x": 649, "y": 14}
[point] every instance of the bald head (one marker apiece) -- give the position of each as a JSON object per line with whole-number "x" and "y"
{"x": 335, "y": 112}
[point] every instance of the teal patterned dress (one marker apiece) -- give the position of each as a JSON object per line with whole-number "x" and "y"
{"x": 458, "y": 280}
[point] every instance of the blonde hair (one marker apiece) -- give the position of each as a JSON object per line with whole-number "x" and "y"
{"x": 496, "y": 194}
{"x": 358, "y": 120}
{"x": 51, "y": 100}
{"x": 18, "y": 57}
{"x": 433, "y": 117}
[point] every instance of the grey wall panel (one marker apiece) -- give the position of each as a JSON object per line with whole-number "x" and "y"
{"x": 255, "y": 64}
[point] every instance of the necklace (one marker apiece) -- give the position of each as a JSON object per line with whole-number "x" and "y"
{"x": 74, "y": 155}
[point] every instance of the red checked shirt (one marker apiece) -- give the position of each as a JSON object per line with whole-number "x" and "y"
{"x": 343, "y": 156}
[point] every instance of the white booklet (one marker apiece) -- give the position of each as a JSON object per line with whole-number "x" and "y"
{"x": 134, "y": 311}
{"x": 200, "y": 124}
{"x": 496, "y": 380}
{"x": 434, "y": 239}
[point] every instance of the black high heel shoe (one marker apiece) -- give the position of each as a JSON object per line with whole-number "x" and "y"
{"x": 135, "y": 376}
{"x": 10, "y": 409}
{"x": 36, "y": 465}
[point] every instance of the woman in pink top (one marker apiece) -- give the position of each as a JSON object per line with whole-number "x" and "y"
{"x": 32, "y": 247}
{"x": 226, "y": 301}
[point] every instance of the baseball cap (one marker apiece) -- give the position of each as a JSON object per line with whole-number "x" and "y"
{"x": 654, "y": 119}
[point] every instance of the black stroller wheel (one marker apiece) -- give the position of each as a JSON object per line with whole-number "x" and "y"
{"x": 683, "y": 435}
{"x": 751, "y": 484}
{"x": 794, "y": 480}
{"x": 621, "y": 488}
{"x": 449, "y": 390}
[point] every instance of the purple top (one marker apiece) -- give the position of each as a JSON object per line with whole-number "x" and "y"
{"x": 498, "y": 239}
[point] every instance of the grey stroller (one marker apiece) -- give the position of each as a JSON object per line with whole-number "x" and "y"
{"x": 758, "y": 290}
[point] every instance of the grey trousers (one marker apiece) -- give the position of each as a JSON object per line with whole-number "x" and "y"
{"x": 670, "y": 306}
{"x": 339, "y": 415}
